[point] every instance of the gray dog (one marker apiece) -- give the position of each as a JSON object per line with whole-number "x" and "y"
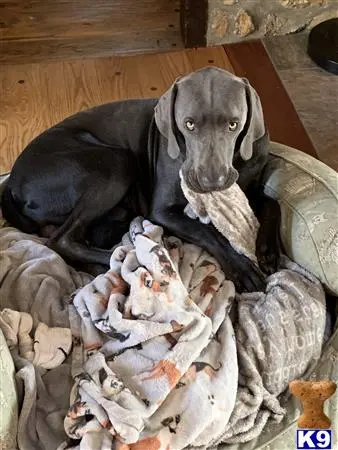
{"x": 88, "y": 176}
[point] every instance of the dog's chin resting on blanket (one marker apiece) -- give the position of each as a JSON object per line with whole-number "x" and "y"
{"x": 156, "y": 360}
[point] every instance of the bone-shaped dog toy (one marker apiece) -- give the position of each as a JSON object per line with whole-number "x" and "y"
{"x": 313, "y": 394}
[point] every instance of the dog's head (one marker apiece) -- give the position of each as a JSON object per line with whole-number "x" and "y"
{"x": 213, "y": 114}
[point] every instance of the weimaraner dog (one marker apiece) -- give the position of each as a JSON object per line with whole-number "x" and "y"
{"x": 83, "y": 180}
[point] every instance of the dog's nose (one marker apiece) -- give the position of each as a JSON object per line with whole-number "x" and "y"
{"x": 214, "y": 183}
{"x": 221, "y": 180}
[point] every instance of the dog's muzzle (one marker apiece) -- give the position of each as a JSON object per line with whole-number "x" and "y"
{"x": 202, "y": 182}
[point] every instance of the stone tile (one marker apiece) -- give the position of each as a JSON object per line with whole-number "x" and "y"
{"x": 288, "y": 52}
{"x": 314, "y": 93}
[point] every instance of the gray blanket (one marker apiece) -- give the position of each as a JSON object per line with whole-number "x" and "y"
{"x": 163, "y": 352}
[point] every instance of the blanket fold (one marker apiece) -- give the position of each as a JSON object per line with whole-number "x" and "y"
{"x": 158, "y": 343}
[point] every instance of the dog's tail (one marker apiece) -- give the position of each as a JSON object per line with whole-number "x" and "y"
{"x": 11, "y": 212}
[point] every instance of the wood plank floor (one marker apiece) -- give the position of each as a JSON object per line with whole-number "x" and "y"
{"x": 36, "y": 96}
{"x": 40, "y": 30}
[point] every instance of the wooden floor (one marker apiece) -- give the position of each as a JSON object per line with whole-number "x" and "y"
{"x": 36, "y": 96}
{"x": 40, "y": 30}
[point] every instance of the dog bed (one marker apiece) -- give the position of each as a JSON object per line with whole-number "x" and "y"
{"x": 178, "y": 341}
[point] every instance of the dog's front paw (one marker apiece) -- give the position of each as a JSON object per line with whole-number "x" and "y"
{"x": 268, "y": 256}
{"x": 245, "y": 274}
{"x": 252, "y": 279}
{"x": 268, "y": 247}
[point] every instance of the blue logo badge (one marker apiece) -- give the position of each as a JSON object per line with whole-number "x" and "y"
{"x": 314, "y": 439}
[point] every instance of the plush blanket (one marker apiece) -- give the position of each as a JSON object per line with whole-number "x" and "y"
{"x": 164, "y": 355}
{"x": 230, "y": 213}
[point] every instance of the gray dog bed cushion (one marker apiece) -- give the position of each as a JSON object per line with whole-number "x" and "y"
{"x": 307, "y": 191}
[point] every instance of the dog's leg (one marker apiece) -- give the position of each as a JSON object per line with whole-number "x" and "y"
{"x": 67, "y": 244}
{"x": 268, "y": 246}
{"x": 238, "y": 268}
{"x": 69, "y": 239}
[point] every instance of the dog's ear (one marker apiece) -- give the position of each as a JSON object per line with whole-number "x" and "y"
{"x": 254, "y": 127}
{"x": 165, "y": 119}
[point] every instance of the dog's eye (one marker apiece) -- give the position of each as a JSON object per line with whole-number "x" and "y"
{"x": 233, "y": 125}
{"x": 190, "y": 125}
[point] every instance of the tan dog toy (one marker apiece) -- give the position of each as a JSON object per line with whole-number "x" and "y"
{"x": 313, "y": 394}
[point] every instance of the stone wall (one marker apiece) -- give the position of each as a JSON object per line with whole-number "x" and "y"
{"x": 237, "y": 20}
